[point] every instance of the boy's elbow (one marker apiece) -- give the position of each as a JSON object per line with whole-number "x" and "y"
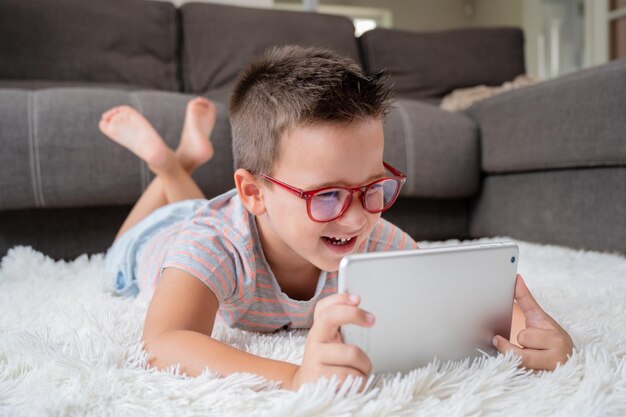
{"x": 186, "y": 348}
{"x": 153, "y": 345}
{"x": 163, "y": 349}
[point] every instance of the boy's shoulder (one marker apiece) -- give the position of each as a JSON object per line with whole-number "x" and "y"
{"x": 222, "y": 217}
{"x": 215, "y": 243}
{"x": 386, "y": 236}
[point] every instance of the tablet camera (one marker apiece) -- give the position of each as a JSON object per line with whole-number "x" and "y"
{"x": 512, "y": 259}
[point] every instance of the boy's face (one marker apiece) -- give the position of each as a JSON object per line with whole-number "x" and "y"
{"x": 347, "y": 154}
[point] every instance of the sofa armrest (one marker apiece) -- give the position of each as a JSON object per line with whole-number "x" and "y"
{"x": 575, "y": 121}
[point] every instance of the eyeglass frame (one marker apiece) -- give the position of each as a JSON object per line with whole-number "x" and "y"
{"x": 308, "y": 194}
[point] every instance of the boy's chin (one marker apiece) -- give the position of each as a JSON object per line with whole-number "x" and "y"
{"x": 327, "y": 266}
{"x": 329, "y": 258}
{"x": 325, "y": 263}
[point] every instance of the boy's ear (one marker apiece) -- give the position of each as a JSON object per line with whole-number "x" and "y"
{"x": 249, "y": 191}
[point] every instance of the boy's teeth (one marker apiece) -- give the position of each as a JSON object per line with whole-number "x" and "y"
{"x": 338, "y": 241}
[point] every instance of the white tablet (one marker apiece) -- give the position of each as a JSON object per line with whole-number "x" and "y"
{"x": 445, "y": 302}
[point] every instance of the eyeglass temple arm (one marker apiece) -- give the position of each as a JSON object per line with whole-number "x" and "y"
{"x": 297, "y": 191}
{"x": 393, "y": 170}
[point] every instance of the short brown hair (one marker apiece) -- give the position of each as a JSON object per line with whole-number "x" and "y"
{"x": 293, "y": 86}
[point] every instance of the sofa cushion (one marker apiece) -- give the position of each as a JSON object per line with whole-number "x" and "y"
{"x": 55, "y": 156}
{"x": 219, "y": 40}
{"x": 437, "y": 150}
{"x": 116, "y": 41}
{"x": 427, "y": 65}
{"x": 574, "y": 121}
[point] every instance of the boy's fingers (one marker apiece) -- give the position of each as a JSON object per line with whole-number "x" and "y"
{"x": 327, "y": 321}
{"x": 534, "y": 314}
{"x": 346, "y": 356}
{"x": 535, "y": 338}
{"x": 530, "y": 358}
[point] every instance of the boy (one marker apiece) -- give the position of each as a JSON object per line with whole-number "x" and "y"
{"x": 310, "y": 184}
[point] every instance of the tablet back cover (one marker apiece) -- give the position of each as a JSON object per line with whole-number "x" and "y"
{"x": 445, "y": 302}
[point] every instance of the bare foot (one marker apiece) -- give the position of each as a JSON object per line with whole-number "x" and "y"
{"x": 130, "y": 129}
{"x": 195, "y": 146}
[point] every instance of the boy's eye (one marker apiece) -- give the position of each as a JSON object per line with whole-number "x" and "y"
{"x": 328, "y": 195}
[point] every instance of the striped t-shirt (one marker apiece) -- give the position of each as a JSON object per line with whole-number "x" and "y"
{"x": 218, "y": 243}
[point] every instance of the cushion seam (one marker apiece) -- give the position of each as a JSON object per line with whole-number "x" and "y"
{"x": 143, "y": 174}
{"x": 555, "y": 167}
{"x": 34, "y": 152}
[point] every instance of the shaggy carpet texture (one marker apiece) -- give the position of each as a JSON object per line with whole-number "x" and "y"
{"x": 68, "y": 347}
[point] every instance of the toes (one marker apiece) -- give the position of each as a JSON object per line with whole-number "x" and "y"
{"x": 103, "y": 125}
{"x": 107, "y": 115}
{"x": 124, "y": 108}
{"x": 200, "y": 101}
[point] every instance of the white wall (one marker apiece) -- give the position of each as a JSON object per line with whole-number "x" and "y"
{"x": 498, "y": 13}
{"x": 414, "y": 15}
{"x": 420, "y": 15}
{"x": 424, "y": 15}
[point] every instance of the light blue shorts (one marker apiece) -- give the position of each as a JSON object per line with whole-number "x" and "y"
{"x": 120, "y": 261}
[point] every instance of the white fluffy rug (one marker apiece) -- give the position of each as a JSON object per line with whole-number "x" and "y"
{"x": 67, "y": 347}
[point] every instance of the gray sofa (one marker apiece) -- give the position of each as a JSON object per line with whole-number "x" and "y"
{"x": 545, "y": 163}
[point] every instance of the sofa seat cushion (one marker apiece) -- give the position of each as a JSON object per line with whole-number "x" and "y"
{"x": 438, "y": 150}
{"x": 219, "y": 40}
{"x": 427, "y": 65}
{"x": 55, "y": 156}
{"x": 114, "y": 41}
{"x": 575, "y": 121}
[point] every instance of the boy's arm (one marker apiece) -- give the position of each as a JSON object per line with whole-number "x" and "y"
{"x": 178, "y": 328}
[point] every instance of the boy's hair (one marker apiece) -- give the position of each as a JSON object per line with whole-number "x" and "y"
{"x": 293, "y": 86}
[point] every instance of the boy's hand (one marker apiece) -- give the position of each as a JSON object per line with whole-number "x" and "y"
{"x": 544, "y": 343}
{"x": 325, "y": 353}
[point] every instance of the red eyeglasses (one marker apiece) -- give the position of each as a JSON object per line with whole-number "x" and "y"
{"x": 329, "y": 203}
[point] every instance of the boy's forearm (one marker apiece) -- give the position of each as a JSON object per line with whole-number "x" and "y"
{"x": 196, "y": 351}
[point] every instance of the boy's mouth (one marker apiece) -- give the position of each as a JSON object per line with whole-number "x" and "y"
{"x": 340, "y": 245}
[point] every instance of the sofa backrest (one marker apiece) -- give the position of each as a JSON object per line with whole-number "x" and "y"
{"x": 130, "y": 42}
{"x": 219, "y": 40}
{"x": 429, "y": 65}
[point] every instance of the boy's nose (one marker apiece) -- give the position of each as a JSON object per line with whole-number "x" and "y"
{"x": 355, "y": 216}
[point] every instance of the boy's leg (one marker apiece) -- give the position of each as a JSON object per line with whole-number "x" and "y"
{"x": 153, "y": 197}
{"x": 173, "y": 182}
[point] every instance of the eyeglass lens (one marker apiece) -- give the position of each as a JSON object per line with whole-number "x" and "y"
{"x": 328, "y": 204}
